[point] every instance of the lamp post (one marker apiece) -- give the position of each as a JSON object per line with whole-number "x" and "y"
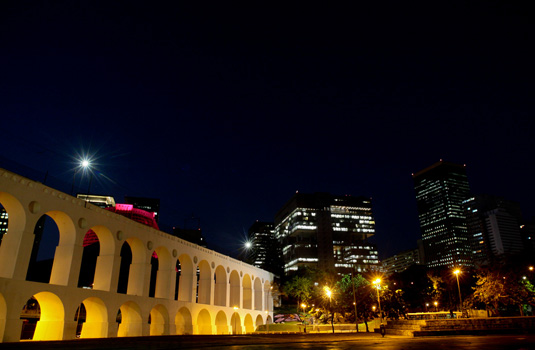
{"x": 457, "y": 272}
{"x": 355, "y": 302}
{"x": 303, "y": 305}
{"x": 329, "y": 293}
{"x": 426, "y": 306}
{"x": 436, "y": 305}
{"x": 377, "y": 282}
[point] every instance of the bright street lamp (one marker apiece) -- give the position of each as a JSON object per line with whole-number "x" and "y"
{"x": 377, "y": 282}
{"x": 328, "y": 294}
{"x": 457, "y": 272}
{"x": 436, "y": 304}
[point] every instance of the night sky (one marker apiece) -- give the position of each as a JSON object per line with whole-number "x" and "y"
{"x": 224, "y": 110}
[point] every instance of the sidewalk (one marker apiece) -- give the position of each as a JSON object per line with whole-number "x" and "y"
{"x": 189, "y": 341}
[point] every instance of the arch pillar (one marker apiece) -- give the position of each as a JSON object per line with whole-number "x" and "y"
{"x": 15, "y": 253}
{"x": 172, "y": 283}
{"x": 13, "y": 327}
{"x": 67, "y": 261}
{"x": 106, "y": 272}
{"x": 137, "y": 278}
{"x": 163, "y": 283}
{"x": 220, "y": 290}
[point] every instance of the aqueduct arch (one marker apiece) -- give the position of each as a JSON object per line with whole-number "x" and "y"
{"x": 125, "y": 248}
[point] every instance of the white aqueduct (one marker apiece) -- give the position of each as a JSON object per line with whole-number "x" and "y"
{"x": 209, "y": 294}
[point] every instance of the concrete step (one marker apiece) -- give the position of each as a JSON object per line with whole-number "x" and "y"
{"x": 404, "y": 332}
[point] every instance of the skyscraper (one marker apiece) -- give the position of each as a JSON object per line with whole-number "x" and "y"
{"x": 326, "y": 231}
{"x": 493, "y": 227}
{"x": 440, "y": 191}
{"x": 265, "y": 250}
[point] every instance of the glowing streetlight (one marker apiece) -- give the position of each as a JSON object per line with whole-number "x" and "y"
{"x": 328, "y": 294}
{"x": 436, "y": 305}
{"x": 303, "y": 305}
{"x": 377, "y": 282}
{"x": 457, "y": 272}
{"x": 84, "y": 165}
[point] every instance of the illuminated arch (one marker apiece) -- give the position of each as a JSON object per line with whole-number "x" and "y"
{"x": 221, "y": 323}
{"x": 96, "y": 322}
{"x": 50, "y": 325}
{"x": 183, "y": 321}
{"x": 204, "y": 322}
{"x": 248, "y": 324}
{"x": 259, "y": 321}
{"x": 9, "y": 248}
{"x": 64, "y": 251}
{"x": 159, "y": 320}
{"x": 131, "y": 322}
{"x": 105, "y": 259}
{"x": 186, "y": 278}
{"x": 205, "y": 282}
{"x": 257, "y": 294}
{"x": 234, "y": 281}
{"x": 247, "y": 292}
{"x": 235, "y": 323}
{"x": 220, "y": 289}
{"x": 164, "y": 274}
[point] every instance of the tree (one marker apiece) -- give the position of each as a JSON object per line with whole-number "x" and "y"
{"x": 299, "y": 288}
{"x": 356, "y": 289}
{"x": 500, "y": 286}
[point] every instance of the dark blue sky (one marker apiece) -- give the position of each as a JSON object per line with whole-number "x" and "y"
{"x": 225, "y": 110}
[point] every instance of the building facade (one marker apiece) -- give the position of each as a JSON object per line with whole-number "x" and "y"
{"x": 494, "y": 227}
{"x": 265, "y": 251}
{"x": 326, "y": 231}
{"x": 402, "y": 261}
{"x": 440, "y": 192}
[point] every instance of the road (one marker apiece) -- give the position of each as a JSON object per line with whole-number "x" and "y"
{"x": 285, "y": 342}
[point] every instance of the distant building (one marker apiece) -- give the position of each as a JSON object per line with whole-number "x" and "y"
{"x": 494, "y": 227}
{"x": 265, "y": 250}
{"x": 98, "y": 200}
{"x": 151, "y": 205}
{"x": 440, "y": 191}
{"x": 3, "y": 222}
{"x": 326, "y": 231}
{"x": 401, "y": 261}
{"x": 528, "y": 235}
{"x": 191, "y": 235}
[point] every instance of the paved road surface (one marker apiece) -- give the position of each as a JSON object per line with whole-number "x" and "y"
{"x": 286, "y": 342}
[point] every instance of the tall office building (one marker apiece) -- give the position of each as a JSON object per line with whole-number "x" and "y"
{"x": 326, "y": 231}
{"x": 265, "y": 250}
{"x": 440, "y": 191}
{"x": 493, "y": 227}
